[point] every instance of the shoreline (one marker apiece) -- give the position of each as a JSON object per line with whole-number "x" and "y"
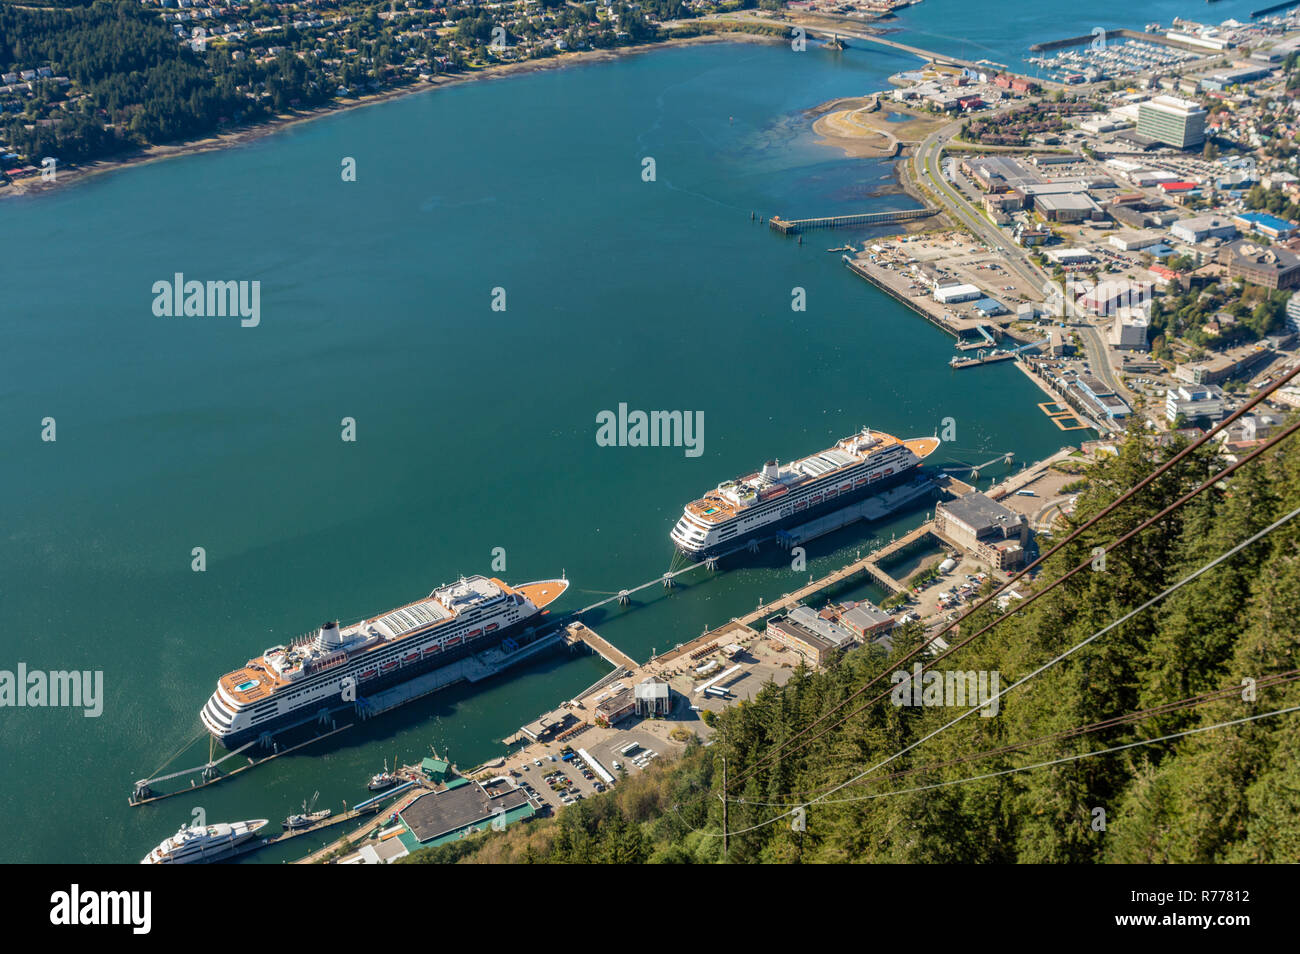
{"x": 35, "y": 187}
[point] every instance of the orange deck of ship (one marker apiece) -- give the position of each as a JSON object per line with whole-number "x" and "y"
{"x": 542, "y": 594}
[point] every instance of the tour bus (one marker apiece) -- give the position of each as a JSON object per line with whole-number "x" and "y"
{"x": 629, "y": 748}
{"x": 715, "y": 691}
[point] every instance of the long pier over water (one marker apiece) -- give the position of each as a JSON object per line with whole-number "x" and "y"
{"x": 795, "y": 226}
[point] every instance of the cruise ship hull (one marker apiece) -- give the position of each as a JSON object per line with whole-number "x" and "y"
{"x": 336, "y": 703}
{"x": 331, "y": 675}
{"x": 798, "y": 518}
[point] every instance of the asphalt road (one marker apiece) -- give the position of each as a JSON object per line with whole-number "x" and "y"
{"x": 926, "y": 169}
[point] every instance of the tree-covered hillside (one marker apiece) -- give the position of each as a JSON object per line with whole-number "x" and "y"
{"x": 1231, "y": 794}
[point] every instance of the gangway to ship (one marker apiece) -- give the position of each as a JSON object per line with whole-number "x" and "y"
{"x": 974, "y": 472}
{"x": 143, "y": 795}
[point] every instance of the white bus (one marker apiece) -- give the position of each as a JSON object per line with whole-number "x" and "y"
{"x": 630, "y": 747}
{"x": 715, "y": 691}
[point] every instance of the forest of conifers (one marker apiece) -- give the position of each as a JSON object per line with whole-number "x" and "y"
{"x": 1230, "y": 794}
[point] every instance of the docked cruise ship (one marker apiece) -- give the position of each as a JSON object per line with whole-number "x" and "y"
{"x": 781, "y": 496}
{"x": 204, "y": 844}
{"x": 335, "y": 666}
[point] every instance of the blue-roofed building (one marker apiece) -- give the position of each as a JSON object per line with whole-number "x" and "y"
{"x": 988, "y": 307}
{"x": 1160, "y": 251}
{"x": 1267, "y": 225}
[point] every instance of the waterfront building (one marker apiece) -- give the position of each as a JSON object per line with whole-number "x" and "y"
{"x": 653, "y": 698}
{"x": 948, "y": 294}
{"x": 1173, "y": 121}
{"x": 1101, "y": 398}
{"x": 617, "y": 707}
{"x": 984, "y": 527}
{"x": 461, "y": 808}
{"x": 865, "y": 620}
{"x": 816, "y": 639}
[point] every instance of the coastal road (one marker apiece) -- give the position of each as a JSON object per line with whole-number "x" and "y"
{"x": 927, "y": 171}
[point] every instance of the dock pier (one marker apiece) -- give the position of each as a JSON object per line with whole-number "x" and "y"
{"x": 795, "y": 226}
{"x": 577, "y": 632}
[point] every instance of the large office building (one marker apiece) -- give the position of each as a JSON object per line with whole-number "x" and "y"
{"x": 1269, "y": 266}
{"x": 1172, "y": 121}
{"x": 1194, "y": 402}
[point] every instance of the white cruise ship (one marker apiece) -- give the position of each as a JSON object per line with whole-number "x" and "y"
{"x": 335, "y": 666}
{"x": 781, "y": 496}
{"x": 209, "y": 843}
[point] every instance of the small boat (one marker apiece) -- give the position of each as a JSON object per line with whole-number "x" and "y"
{"x": 306, "y": 820}
{"x": 383, "y": 780}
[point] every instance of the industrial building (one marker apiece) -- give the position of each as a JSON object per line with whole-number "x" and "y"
{"x": 1069, "y": 256}
{"x": 1067, "y": 207}
{"x": 1224, "y": 78}
{"x": 1198, "y": 228}
{"x": 948, "y": 294}
{"x": 1172, "y": 121}
{"x": 1136, "y": 241}
{"x": 1107, "y": 298}
{"x": 984, "y": 527}
{"x": 990, "y": 307}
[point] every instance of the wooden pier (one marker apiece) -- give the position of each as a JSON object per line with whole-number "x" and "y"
{"x": 989, "y": 358}
{"x": 867, "y": 564}
{"x": 795, "y": 226}
{"x": 581, "y": 633}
